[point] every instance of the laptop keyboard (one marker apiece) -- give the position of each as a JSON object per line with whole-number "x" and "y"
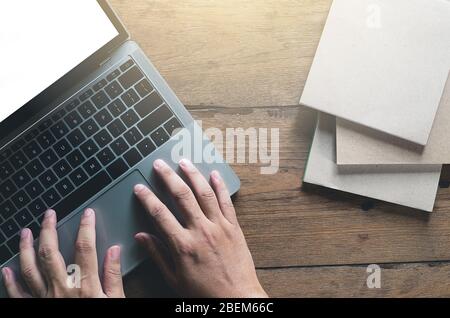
{"x": 79, "y": 150}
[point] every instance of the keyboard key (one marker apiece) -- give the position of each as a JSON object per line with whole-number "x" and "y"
{"x": 172, "y": 125}
{"x": 131, "y": 77}
{"x": 10, "y": 228}
{"x": 73, "y": 119}
{"x": 148, "y": 104}
{"x": 59, "y": 129}
{"x": 59, "y": 114}
{"x": 82, "y": 194}
{"x": 7, "y": 188}
{"x": 146, "y": 147}
{"x": 75, "y": 158}
{"x": 23, "y": 218}
{"x": 18, "y": 160}
{"x": 72, "y": 105}
{"x": 113, "y": 90}
{"x": 103, "y": 118}
{"x": 144, "y": 87}
{"x": 62, "y": 148}
{"x": 5, "y": 170}
{"x": 35, "y": 229}
{"x": 130, "y": 118}
{"x": 78, "y": 177}
{"x": 34, "y": 168}
{"x": 37, "y": 208}
{"x": 48, "y": 158}
{"x": 117, "y": 108}
{"x": 155, "y": 119}
{"x": 5, "y": 254}
{"x": 103, "y": 138}
{"x": 64, "y": 187}
{"x": 102, "y": 83}
{"x": 100, "y": 100}
{"x": 32, "y": 150}
{"x": 92, "y": 166}
{"x": 32, "y": 134}
{"x": 51, "y": 197}
{"x": 86, "y": 110}
{"x": 117, "y": 168}
{"x": 133, "y": 136}
{"x": 5, "y": 154}
{"x": 89, "y": 127}
{"x": 86, "y": 95}
{"x": 48, "y": 179}
{"x": 21, "y": 178}
{"x": 18, "y": 145}
{"x": 116, "y": 128}
{"x": 62, "y": 168}
{"x": 13, "y": 244}
{"x": 20, "y": 199}
{"x": 113, "y": 75}
{"x": 76, "y": 138}
{"x": 125, "y": 66}
{"x": 34, "y": 189}
{"x": 119, "y": 146}
{"x": 89, "y": 148}
{"x": 7, "y": 209}
{"x": 46, "y": 140}
{"x": 132, "y": 157}
{"x": 160, "y": 137}
{"x": 130, "y": 97}
{"x": 45, "y": 125}
{"x": 105, "y": 156}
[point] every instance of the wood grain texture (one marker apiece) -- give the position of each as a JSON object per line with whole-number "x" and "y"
{"x": 397, "y": 280}
{"x": 229, "y": 53}
{"x": 243, "y": 63}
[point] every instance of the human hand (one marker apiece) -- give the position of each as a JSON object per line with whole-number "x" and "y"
{"x": 208, "y": 257}
{"x": 45, "y": 273}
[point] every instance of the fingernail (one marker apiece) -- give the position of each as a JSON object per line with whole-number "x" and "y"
{"x": 25, "y": 234}
{"x": 139, "y": 188}
{"x": 115, "y": 253}
{"x": 49, "y": 214}
{"x": 185, "y": 163}
{"x": 158, "y": 164}
{"x": 216, "y": 175}
{"x": 88, "y": 212}
{"x": 5, "y": 273}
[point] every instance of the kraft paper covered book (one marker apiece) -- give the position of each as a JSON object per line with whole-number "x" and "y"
{"x": 412, "y": 186}
{"x": 361, "y": 145}
{"x": 383, "y": 64}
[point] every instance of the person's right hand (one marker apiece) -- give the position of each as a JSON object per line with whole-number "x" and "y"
{"x": 208, "y": 257}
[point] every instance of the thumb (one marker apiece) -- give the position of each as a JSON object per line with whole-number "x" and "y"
{"x": 112, "y": 275}
{"x": 159, "y": 255}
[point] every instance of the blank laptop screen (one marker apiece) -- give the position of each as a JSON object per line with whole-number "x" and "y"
{"x": 41, "y": 41}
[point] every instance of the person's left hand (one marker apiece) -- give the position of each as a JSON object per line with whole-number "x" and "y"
{"x": 46, "y": 275}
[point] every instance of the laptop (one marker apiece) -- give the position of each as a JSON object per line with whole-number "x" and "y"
{"x": 83, "y": 116}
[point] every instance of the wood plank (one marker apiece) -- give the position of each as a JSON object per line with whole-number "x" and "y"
{"x": 288, "y": 224}
{"x": 229, "y": 53}
{"x": 397, "y": 280}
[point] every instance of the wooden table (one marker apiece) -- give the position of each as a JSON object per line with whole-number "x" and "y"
{"x": 243, "y": 63}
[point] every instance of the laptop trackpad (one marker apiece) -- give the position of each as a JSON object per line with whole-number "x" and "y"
{"x": 119, "y": 216}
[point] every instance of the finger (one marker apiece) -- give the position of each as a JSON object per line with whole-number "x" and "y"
{"x": 86, "y": 252}
{"x": 13, "y": 287}
{"x": 50, "y": 259}
{"x": 162, "y": 217}
{"x": 223, "y": 197}
{"x": 29, "y": 265}
{"x": 112, "y": 274}
{"x": 182, "y": 194}
{"x": 202, "y": 190}
{"x": 159, "y": 255}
